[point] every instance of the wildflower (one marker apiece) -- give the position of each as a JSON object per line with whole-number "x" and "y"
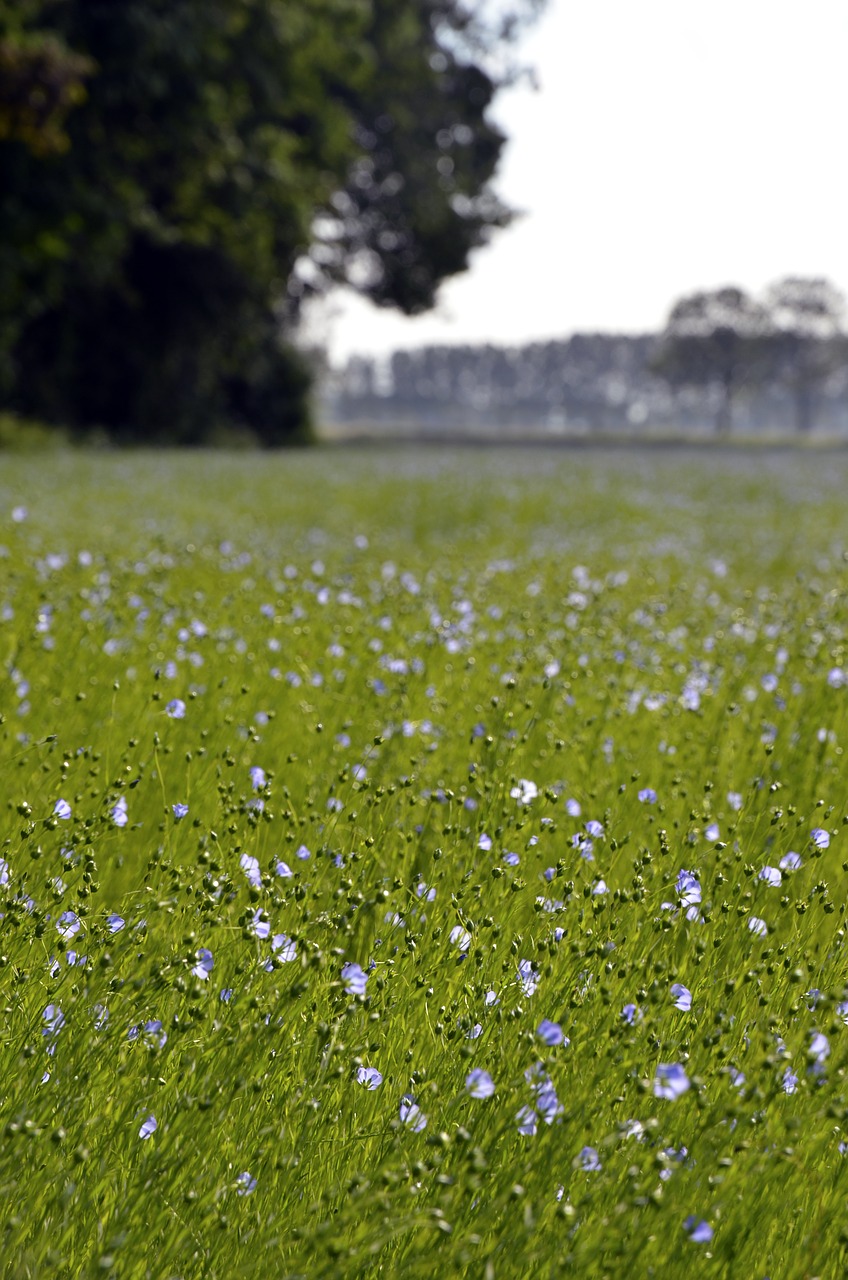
{"x": 771, "y": 875}
{"x": 460, "y": 937}
{"x": 528, "y": 976}
{"x": 205, "y": 964}
{"x": 149, "y": 1127}
{"x": 511, "y": 859}
{"x": 179, "y": 811}
{"x": 699, "y": 1231}
{"x": 712, "y": 832}
{"x": 369, "y": 1076}
{"x": 176, "y": 709}
{"x": 484, "y": 843}
{"x": 479, "y": 1083}
{"x": 682, "y": 997}
{"x": 688, "y": 888}
{"x": 257, "y": 778}
{"x": 68, "y": 924}
{"x": 757, "y": 926}
{"x": 734, "y": 800}
{"x": 820, "y": 837}
{"x": 589, "y": 1160}
{"x": 303, "y": 853}
{"x": 250, "y": 867}
{"x": 62, "y": 810}
{"x": 54, "y": 1020}
{"x": 259, "y": 926}
{"x": 819, "y": 1047}
{"x": 551, "y": 1033}
{"x": 670, "y": 1081}
{"x": 526, "y": 1118}
{"x": 525, "y": 791}
{"x": 630, "y": 1014}
{"x": 245, "y": 1184}
{"x": 115, "y": 922}
{"x": 118, "y": 812}
{"x": 572, "y": 808}
{"x": 647, "y": 795}
{"x": 412, "y": 1115}
{"x": 283, "y": 870}
{"x": 790, "y": 1081}
{"x": 594, "y": 829}
{"x": 285, "y": 949}
{"x": 354, "y": 979}
{"x": 791, "y": 861}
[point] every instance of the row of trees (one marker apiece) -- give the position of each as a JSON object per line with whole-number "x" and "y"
{"x": 781, "y": 358}
{"x": 792, "y": 337}
{"x": 176, "y": 176}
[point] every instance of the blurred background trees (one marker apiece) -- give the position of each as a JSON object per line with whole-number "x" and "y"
{"x": 176, "y": 176}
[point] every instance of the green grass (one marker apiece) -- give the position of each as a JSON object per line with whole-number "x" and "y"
{"x": 398, "y": 640}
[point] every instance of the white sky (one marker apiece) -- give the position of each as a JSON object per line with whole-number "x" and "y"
{"x": 673, "y": 145}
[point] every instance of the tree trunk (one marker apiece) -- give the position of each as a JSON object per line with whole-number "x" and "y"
{"x": 723, "y": 417}
{"x": 803, "y": 408}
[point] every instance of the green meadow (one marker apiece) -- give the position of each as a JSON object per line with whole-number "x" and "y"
{"x": 424, "y": 862}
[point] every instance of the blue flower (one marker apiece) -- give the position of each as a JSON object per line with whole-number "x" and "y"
{"x": 149, "y": 1127}
{"x": 257, "y": 778}
{"x": 820, "y": 837}
{"x": 527, "y": 1119}
{"x": 115, "y": 922}
{"x": 771, "y": 875}
{"x": 551, "y": 1033}
{"x": 68, "y": 924}
{"x": 62, "y": 810}
{"x": 479, "y": 1083}
{"x": 245, "y": 1184}
{"x": 354, "y": 979}
{"x": 369, "y": 1076}
{"x": 118, "y": 812}
{"x": 205, "y": 964}
{"x": 528, "y": 977}
{"x": 589, "y": 1160}
{"x": 670, "y": 1081}
{"x": 412, "y": 1115}
{"x": 699, "y": 1231}
{"x": 179, "y": 811}
{"x": 285, "y": 949}
{"x": 791, "y": 861}
{"x": 682, "y": 997}
{"x": 647, "y": 795}
{"x": 176, "y": 709}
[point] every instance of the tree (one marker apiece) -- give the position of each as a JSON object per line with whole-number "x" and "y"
{"x": 717, "y": 339}
{"x": 807, "y": 342}
{"x": 229, "y": 157}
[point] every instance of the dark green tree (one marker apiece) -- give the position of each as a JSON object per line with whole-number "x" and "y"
{"x": 808, "y": 342}
{"x": 717, "y": 338}
{"x": 230, "y": 156}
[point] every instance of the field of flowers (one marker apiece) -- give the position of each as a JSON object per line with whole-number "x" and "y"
{"x": 424, "y": 863}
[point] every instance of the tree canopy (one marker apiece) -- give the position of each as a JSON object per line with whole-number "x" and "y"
{"x": 177, "y": 175}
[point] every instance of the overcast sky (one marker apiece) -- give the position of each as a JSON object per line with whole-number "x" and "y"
{"x": 673, "y": 145}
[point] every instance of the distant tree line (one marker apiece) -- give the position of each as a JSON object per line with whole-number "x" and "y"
{"x": 781, "y": 360}
{"x": 176, "y": 176}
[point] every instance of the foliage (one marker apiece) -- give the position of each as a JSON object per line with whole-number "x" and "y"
{"x": 147, "y": 268}
{"x": 793, "y": 338}
{"x": 409, "y": 869}
{"x": 808, "y": 341}
{"x": 717, "y": 337}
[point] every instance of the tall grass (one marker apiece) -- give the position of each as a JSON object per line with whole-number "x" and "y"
{"x": 423, "y": 863}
